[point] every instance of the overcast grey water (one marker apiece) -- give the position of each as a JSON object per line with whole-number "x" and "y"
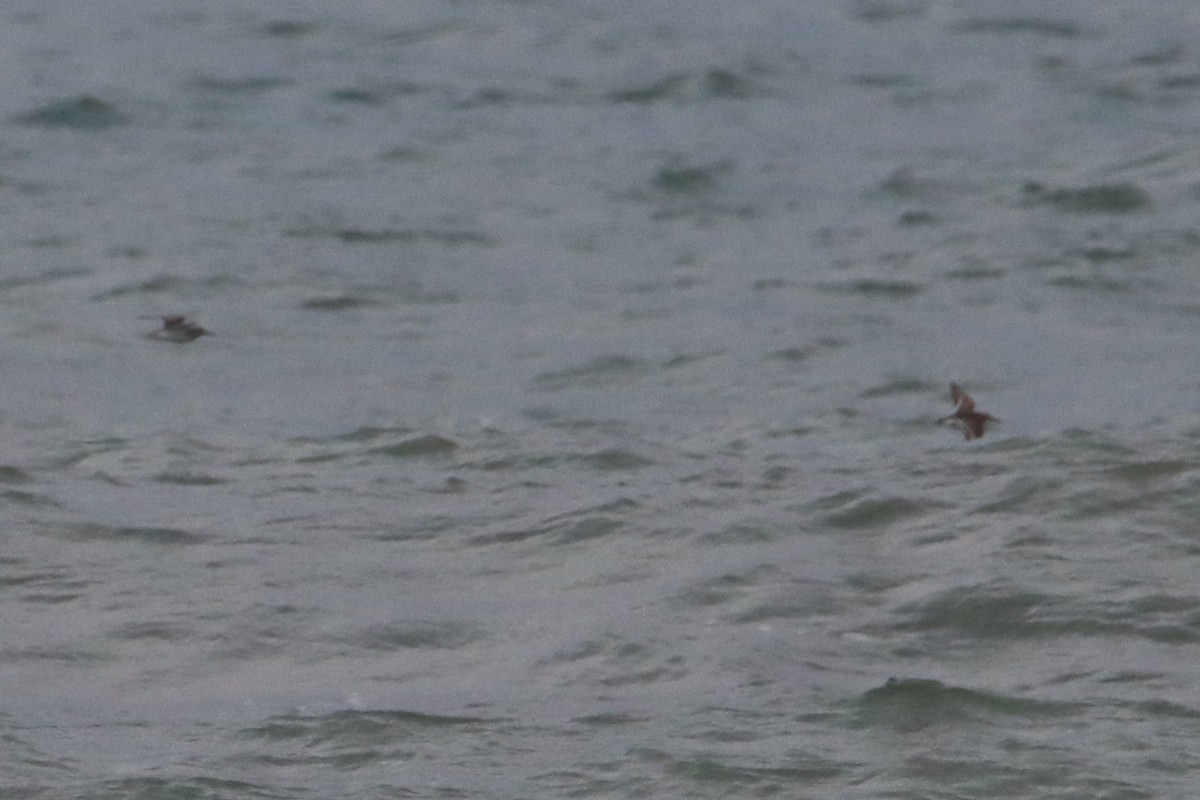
{"x": 567, "y": 426}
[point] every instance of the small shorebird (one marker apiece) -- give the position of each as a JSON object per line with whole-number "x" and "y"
{"x": 965, "y": 417}
{"x": 178, "y": 328}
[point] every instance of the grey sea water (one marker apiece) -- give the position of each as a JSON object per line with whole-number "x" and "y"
{"x": 567, "y": 426}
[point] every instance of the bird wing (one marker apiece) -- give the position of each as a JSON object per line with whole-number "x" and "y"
{"x": 961, "y": 399}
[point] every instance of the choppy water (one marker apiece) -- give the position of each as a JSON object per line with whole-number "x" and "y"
{"x": 567, "y": 429}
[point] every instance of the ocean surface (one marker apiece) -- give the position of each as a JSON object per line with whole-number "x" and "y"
{"x": 567, "y": 426}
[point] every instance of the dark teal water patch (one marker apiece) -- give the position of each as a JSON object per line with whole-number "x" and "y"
{"x": 875, "y": 513}
{"x": 588, "y": 528}
{"x": 152, "y": 631}
{"x": 596, "y": 372}
{"x": 419, "y": 446}
{"x": 981, "y": 612}
{"x": 915, "y": 218}
{"x": 154, "y": 285}
{"x": 1113, "y": 198}
{"x": 840, "y": 499}
{"x": 716, "y": 591}
{"x": 804, "y": 352}
{"x": 1130, "y": 676}
{"x": 612, "y": 720}
{"x": 238, "y": 86}
{"x": 53, "y": 578}
{"x": 1103, "y": 255}
{"x": 872, "y": 11}
{"x": 358, "y": 96}
{"x": 682, "y": 179}
{"x": 445, "y": 237}
{"x": 975, "y": 273}
{"x": 776, "y": 284}
{"x": 18, "y": 497}
{"x": 1165, "y": 708}
{"x": 418, "y": 635}
{"x": 1164, "y": 604}
{"x": 680, "y": 283}
{"x": 902, "y": 386}
{"x": 570, "y": 527}
{"x": 383, "y": 236}
{"x": 884, "y": 80}
{"x": 287, "y": 29}
{"x": 357, "y": 730}
{"x": 424, "y": 33}
{"x": 557, "y": 533}
{"x": 42, "y": 587}
{"x": 341, "y": 302}
{"x": 160, "y": 536}
{"x": 875, "y": 583}
{"x": 1021, "y": 492}
{"x": 321, "y": 458}
{"x": 1186, "y": 82}
{"x": 729, "y": 84}
{"x": 821, "y": 602}
{"x": 792, "y": 354}
{"x": 712, "y": 775}
{"x": 43, "y": 277}
{"x": 373, "y": 95}
{"x": 1007, "y": 26}
{"x": 716, "y": 83}
{"x": 512, "y": 536}
{"x": 84, "y": 113}
{"x": 15, "y": 654}
{"x": 1146, "y": 471}
{"x": 189, "y": 479}
{"x": 413, "y": 293}
{"x": 739, "y": 533}
{"x": 367, "y": 433}
{"x": 871, "y": 287}
{"x": 988, "y": 613}
{"x": 406, "y": 153}
{"x": 662, "y": 89}
{"x": 51, "y": 598}
{"x": 1166, "y": 54}
{"x": 913, "y": 704}
{"x": 1090, "y": 282}
{"x": 615, "y": 459}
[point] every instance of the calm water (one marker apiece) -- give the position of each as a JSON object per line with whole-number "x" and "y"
{"x": 567, "y": 426}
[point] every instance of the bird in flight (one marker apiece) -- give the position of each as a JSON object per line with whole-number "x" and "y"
{"x": 178, "y": 328}
{"x": 965, "y": 417}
